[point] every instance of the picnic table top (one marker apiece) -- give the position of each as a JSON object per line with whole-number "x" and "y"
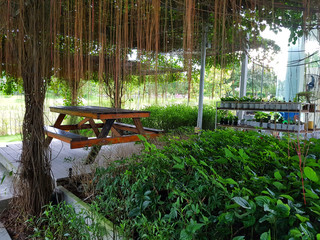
{"x": 99, "y": 112}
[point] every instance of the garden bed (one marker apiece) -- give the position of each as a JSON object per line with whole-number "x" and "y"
{"x": 221, "y": 185}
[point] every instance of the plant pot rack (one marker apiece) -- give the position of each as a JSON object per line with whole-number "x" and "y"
{"x": 310, "y": 111}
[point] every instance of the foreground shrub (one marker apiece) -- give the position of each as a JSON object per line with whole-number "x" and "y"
{"x": 62, "y": 222}
{"x": 219, "y": 185}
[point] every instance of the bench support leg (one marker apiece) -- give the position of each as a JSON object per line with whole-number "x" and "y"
{"x": 58, "y": 122}
{"x": 96, "y": 149}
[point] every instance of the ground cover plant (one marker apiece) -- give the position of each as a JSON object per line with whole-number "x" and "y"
{"x": 218, "y": 185}
{"x": 62, "y": 222}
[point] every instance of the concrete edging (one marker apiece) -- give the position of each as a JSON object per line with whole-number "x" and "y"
{"x": 4, "y": 235}
{"x": 79, "y": 205}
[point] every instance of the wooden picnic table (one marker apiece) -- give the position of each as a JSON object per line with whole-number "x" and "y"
{"x": 101, "y": 120}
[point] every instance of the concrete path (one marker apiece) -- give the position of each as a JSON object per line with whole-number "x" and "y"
{"x": 63, "y": 159}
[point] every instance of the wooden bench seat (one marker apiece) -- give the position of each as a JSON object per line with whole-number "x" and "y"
{"x": 132, "y": 128}
{"x": 63, "y": 135}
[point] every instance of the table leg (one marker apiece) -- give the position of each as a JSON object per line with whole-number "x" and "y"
{"x": 56, "y": 125}
{"x": 96, "y": 149}
{"x": 139, "y": 126}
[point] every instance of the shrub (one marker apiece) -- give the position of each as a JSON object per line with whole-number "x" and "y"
{"x": 175, "y": 116}
{"x": 219, "y": 185}
{"x": 62, "y": 222}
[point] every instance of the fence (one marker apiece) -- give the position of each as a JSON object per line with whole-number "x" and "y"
{"x": 11, "y": 119}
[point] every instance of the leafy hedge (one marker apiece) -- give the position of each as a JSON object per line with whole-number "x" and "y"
{"x": 219, "y": 185}
{"x": 175, "y": 116}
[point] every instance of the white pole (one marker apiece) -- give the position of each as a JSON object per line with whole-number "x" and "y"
{"x": 202, "y": 72}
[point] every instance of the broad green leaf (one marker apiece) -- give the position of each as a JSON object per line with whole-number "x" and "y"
{"x": 194, "y": 160}
{"x": 295, "y": 233}
{"x": 203, "y": 163}
{"x": 184, "y": 235}
{"x": 228, "y": 153}
{"x": 238, "y": 238}
{"x": 242, "y": 202}
{"x": 179, "y": 166}
{"x": 203, "y": 173}
{"x": 287, "y": 197}
{"x": 229, "y": 217}
{"x": 261, "y": 200}
{"x": 279, "y": 185}
{"x": 311, "y": 194}
{"x": 311, "y": 174}
{"x": 230, "y": 181}
{"x": 135, "y": 212}
{"x": 318, "y": 236}
{"x": 277, "y": 175}
{"x": 193, "y": 227}
{"x": 283, "y": 210}
{"x": 243, "y": 154}
{"x": 266, "y": 235}
{"x": 250, "y": 221}
{"x": 304, "y": 228}
{"x": 145, "y": 204}
{"x": 178, "y": 160}
{"x": 302, "y": 218}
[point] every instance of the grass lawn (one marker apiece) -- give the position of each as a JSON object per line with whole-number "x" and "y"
{"x": 10, "y": 138}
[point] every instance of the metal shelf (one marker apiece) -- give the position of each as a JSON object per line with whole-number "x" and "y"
{"x": 267, "y": 129}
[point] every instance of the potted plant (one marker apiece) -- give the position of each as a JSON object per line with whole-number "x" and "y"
{"x": 265, "y": 120}
{"x": 257, "y": 104}
{"x": 226, "y": 120}
{"x": 235, "y": 121}
{"x": 279, "y": 122}
{"x": 245, "y": 102}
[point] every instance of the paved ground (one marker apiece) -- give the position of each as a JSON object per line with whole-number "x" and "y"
{"x": 63, "y": 158}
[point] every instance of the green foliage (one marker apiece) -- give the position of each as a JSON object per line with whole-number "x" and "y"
{"x": 10, "y": 85}
{"x": 63, "y": 223}
{"x": 176, "y": 116}
{"x": 219, "y": 185}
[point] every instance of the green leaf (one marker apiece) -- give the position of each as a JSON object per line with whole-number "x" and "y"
{"x": 145, "y": 204}
{"x": 229, "y": 217}
{"x": 203, "y": 163}
{"x": 302, "y": 218}
{"x": 277, "y": 175}
{"x": 261, "y": 200}
{"x": 242, "y": 202}
{"x": 279, "y": 185}
{"x": 230, "y": 181}
{"x": 203, "y": 173}
{"x": 134, "y": 212}
{"x": 318, "y": 236}
{"x": 184, "y": 235}
{"x": 178, "y": 166}
{"x": 311, "y": 174}
{"x": 295, "y": 233}
{"x": 238, "y": 238}
{"x": 304, "y": 229}
{"x": 287, "y": 197}
{"x": 228, "y": 153}
{"x": 193, "y": 227}
{"x": 283, "y": 210}
{"x": 266, "y": 236}
{"x": 178, "y": 160}
{"x": 194, "y": 160}
{"x": 311, "y": 194}
{"x": 250, "y": 221}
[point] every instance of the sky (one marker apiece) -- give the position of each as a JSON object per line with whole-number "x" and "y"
{"x": 279, "y": 63}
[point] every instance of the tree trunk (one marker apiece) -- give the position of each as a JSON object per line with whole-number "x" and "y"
{"x": 35, "y": 185}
